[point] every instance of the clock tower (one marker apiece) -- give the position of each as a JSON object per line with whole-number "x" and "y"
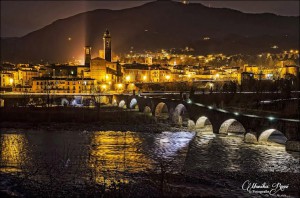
{"x": 107, "y": 45}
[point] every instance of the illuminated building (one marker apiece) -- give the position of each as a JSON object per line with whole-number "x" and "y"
{"x": 103, "y": 71}
{"x": 107, "y": 45}
{"x": 6, "y": 79}
{"x": 63, "y": 85}
{"x": 87, "y": 52}
{"x": 145, "y": 73}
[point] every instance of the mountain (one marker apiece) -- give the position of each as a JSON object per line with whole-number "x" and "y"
{"x": 152, "y": 26}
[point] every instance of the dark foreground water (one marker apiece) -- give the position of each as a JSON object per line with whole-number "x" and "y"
{"x": 52, "y": 162}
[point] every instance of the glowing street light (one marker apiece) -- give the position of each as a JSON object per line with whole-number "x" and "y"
{"x": 11, "y": 81}
{"x": 120, "y": 86}
{"x": 271, "y": 118}
{"x": 145, "y": 78}
{"x": 236, "y": 113}
{"x": 127, "y": 78}
{"x": 168, "y": 77}
{"x": 104, "y": 87}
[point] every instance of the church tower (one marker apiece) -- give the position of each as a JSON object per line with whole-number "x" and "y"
{"x": 107, "y": 45}
{"x": 87, "y": 52}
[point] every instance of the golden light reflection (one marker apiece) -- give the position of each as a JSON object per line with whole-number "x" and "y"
{"x": 13, "y": 152}
{"x": 114, "y": 153}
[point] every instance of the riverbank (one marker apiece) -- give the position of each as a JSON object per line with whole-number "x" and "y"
{"x": 102, "y": 115}
{"x": 200, "y": 184}
{"x": 95, "y": 126}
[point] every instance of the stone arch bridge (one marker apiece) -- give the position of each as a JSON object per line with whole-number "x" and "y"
{"x": 254, "y": 128}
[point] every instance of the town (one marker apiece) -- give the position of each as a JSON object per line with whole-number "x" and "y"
{"x": 136, "y": 71}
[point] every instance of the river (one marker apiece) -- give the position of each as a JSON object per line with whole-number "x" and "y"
{"x": 109, "y": 156}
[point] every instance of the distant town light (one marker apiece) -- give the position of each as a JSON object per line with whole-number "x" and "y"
{"x": 11, "y": 81}
{"x": 120, "y": 86}
{"x": 69, "y": 39}
{"x": 104, "y": 86}
{"x": 144, "y": 77}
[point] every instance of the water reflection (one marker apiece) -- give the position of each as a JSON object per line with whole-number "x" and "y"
{"x": 168, "y": 144}
{"x": 113, "y": 154}
{"x": 13, "y": 152}
{"x": 230, "y": 153}
{"x": 109, "y": 156}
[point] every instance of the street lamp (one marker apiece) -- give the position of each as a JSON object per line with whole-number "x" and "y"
{"x": 127, "y": 78}
{"x": 104, "y": 86}
{"x": 145, "y": 78}
{"x": 168, "y": 77}
{"x": 11, "y": 81}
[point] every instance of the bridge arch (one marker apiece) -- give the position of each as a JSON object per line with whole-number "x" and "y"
{"x": 64, "y": 102}
{"x": 147, "y": 110}
{"x": 162, "y": 111}
{"x": 273, "y": 135}
{"x": 180, "y": 115}
{"x": 231, "y": 126}
{"x": 104, "y": 99}
{"x": 122, "y": 104}
{"x": 202, "y": 121}
{"x": 133, "y": 104}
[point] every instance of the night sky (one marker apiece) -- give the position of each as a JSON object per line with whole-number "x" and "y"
{"x": 21, "y": 17}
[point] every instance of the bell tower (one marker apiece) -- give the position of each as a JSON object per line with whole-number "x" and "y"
{"x": 87, "y": 52}
{"x": 107, "y": 45}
